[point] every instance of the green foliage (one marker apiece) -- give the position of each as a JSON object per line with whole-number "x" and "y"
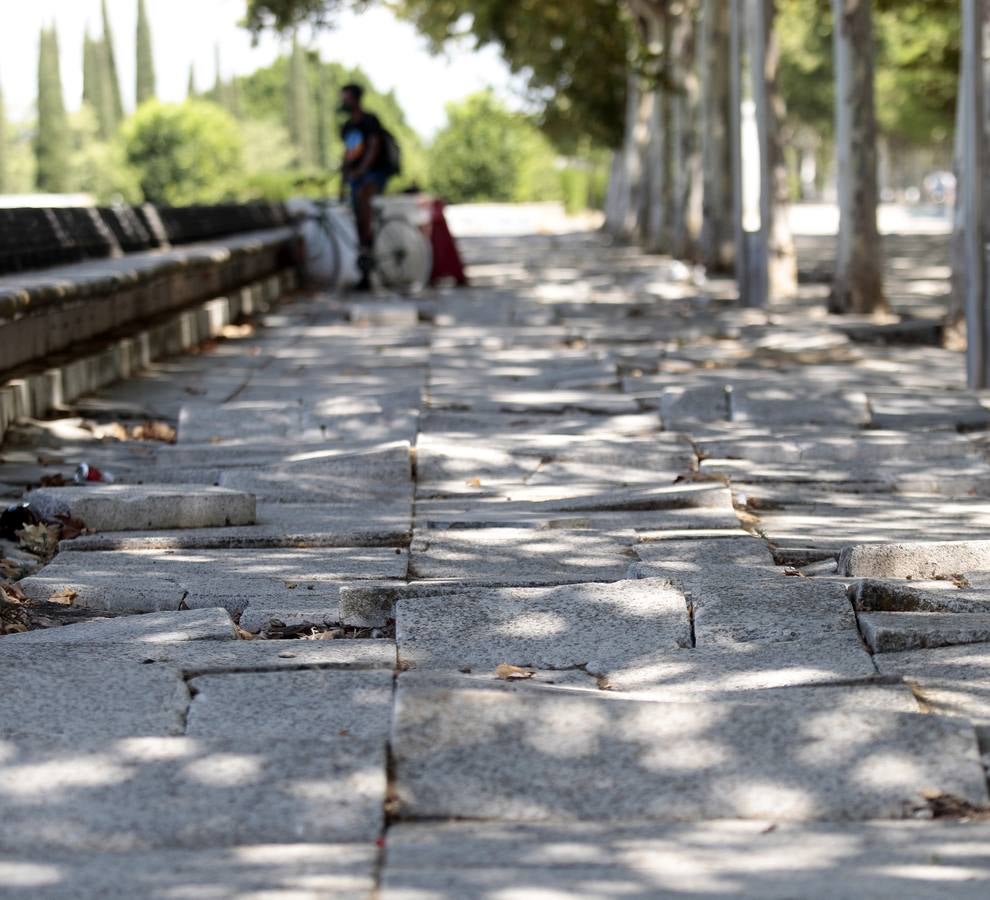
{"x": 99, "y": 167}
{"x": 145, "y": 57}
{"x": 284, "y": 15}
{"x": 51, "y": 144}
{"x": 916, "y": 70}
{"x": 573, "y": 53}
{"x": 263, "y": 98}
{"x": 188, "y": 153}
{"x": 98, "y": 86}
{"x": 487, "y": 153}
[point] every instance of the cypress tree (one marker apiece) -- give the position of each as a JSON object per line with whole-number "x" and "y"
{"x": 191, "y": 86}
{"x": 51, "y": 141}
{"x": 110, "y": 63}
{"x": 3, "y": 145}
{"x": 145, "y": 57}
{"x": 300, "y": 106}
{"x": 96, "y": 86}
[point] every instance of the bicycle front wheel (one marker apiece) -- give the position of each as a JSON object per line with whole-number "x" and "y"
{"x": 403, "y": 256}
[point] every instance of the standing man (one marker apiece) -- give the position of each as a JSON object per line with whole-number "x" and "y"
{"x": 366, "y": 169}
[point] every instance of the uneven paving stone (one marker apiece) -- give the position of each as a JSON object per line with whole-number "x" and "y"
{"x": 518, "y": 556}
{"x": 904, "y": 410}
{"x": 334, "y": 706}
{"x": 915, "y": 560}
{"x": 150, "y": 628}
{"x": 941, "y": 595}
{"x": 386, "y": 522}
{"x": 681, "y": 408}
{"x": 601, "y": 628}
{"x": 758, "y": 860}
{"x": 297, "y": 871}
{"x": 193, "y": 658}
{"x": 99, "y": 796}
{"x": 529, "y": 754}
{"x": 891, "y": 632}
{"x": 74, "y": 696}
{"x": 797, "y": 406}
{"x": 518, "y": 399}
{"x": 698, "y": 555}
{"x": 245, "y": 422}
{"x": 744, "y": 667}
{"x": 351, "y": 479}
{"x": 121, "y": 507}
{"x": 734, "y": 604}
{"x": 164, "y": 579}
{"x": 392, "y": 315}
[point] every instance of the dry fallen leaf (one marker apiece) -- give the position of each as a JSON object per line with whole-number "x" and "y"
{"x": 71, "y": 528}
{"x": 42, "y": 540}
{"x": 9, "y": 569}
{"x": 473, "y": 482}
{"x": 154, "y": 431}
{"x": 509, "y": 672}
{"x": 244, "y": 635}
{"x": 65, "y": 597}
{"x": 55, "y": 480}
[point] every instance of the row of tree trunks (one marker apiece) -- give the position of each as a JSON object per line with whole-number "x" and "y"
{"x": 672, "y": 186}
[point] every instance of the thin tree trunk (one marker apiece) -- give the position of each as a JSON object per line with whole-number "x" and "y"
{"x": 688, "y": 165}
{"x": 782, "y": 263}
{"x": 858, "y": 284}
{"x": 717, "y": 231}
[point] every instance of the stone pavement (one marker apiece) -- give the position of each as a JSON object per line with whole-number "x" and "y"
{"x": 580, "y": 583}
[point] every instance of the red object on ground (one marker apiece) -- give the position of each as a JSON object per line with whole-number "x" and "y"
{"x": 446, "y": 257}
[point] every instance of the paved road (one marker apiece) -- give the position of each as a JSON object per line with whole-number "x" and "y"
{"x": 600, "y": 588}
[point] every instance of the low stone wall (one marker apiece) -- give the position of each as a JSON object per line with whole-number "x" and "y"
{"x": 106, "y": 313}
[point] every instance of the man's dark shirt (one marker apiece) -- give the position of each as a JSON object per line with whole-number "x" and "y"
{"x": 357, "y": 143}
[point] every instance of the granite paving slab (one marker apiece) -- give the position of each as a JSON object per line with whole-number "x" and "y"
{"x": 120, "y": 507}
{"x": 529, "y": 754}
{"x": 316, "y": 704}
{"x": 312, "y": 871}
{"x": 150, "y": 628}
{"x": 887, "y": 632}
{"x": 757, "y": 860}
{"x": 796, "y": 406}
{"x": 601, "y": 628}
{"x": 518, "y": 556}
{"x": 108, "y": 796}
{"x": 915, "y": 560}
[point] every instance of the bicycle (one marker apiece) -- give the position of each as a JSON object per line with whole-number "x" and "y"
{"x": 401, "y": 255}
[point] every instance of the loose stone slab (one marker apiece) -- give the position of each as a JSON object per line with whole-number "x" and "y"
{"x": 529, "y": 754}
{"x": 299, "y": 871}
{"x": 517, "y": 556}
{"x": 194, "y": 658}
{"x": 108, "y": 796}
{"x": 755, "y": 860}
{"x": 699, "y": 555}
{"x": 681, "y": 407}
{"x": 892, "y": 632}
{"x": 734, "y": 604}
{"x": 382, "y": 523}
{"x": 128, "y": 507}
{"x": 599, "y": 627}
{"x": 795, "y": 406}
{"x": 929, "y": 559}
{"x": 150, "y": 628}
{"x": 234, "y": 579}
{"x": 77, "y": 696}
{"x": 392, "y": 315}
{"x": 872, "y": 595}
{"x": 744, "y": 669}
{"x": 303, "y": 704}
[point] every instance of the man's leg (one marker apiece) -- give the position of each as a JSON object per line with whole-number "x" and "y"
{"x": 364, "y": 195}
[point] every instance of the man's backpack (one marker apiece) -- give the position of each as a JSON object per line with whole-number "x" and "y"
{"x": 391, "y": 153}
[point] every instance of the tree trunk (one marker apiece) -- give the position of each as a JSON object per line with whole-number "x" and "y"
{"x": 717, "y": 230}
{"x": 625, "y": 168}
{"x": 858, "y": 284}
{"x": 782, "y": 275}
{"x": 688, "y": 170}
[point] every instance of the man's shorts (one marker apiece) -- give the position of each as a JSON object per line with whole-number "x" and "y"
{"x": 378, "y": 179}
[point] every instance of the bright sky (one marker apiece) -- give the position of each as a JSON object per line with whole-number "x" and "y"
{"x": 185, "y": 31}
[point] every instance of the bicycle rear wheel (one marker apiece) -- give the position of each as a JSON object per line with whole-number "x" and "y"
{"x": 403, "y": 256}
